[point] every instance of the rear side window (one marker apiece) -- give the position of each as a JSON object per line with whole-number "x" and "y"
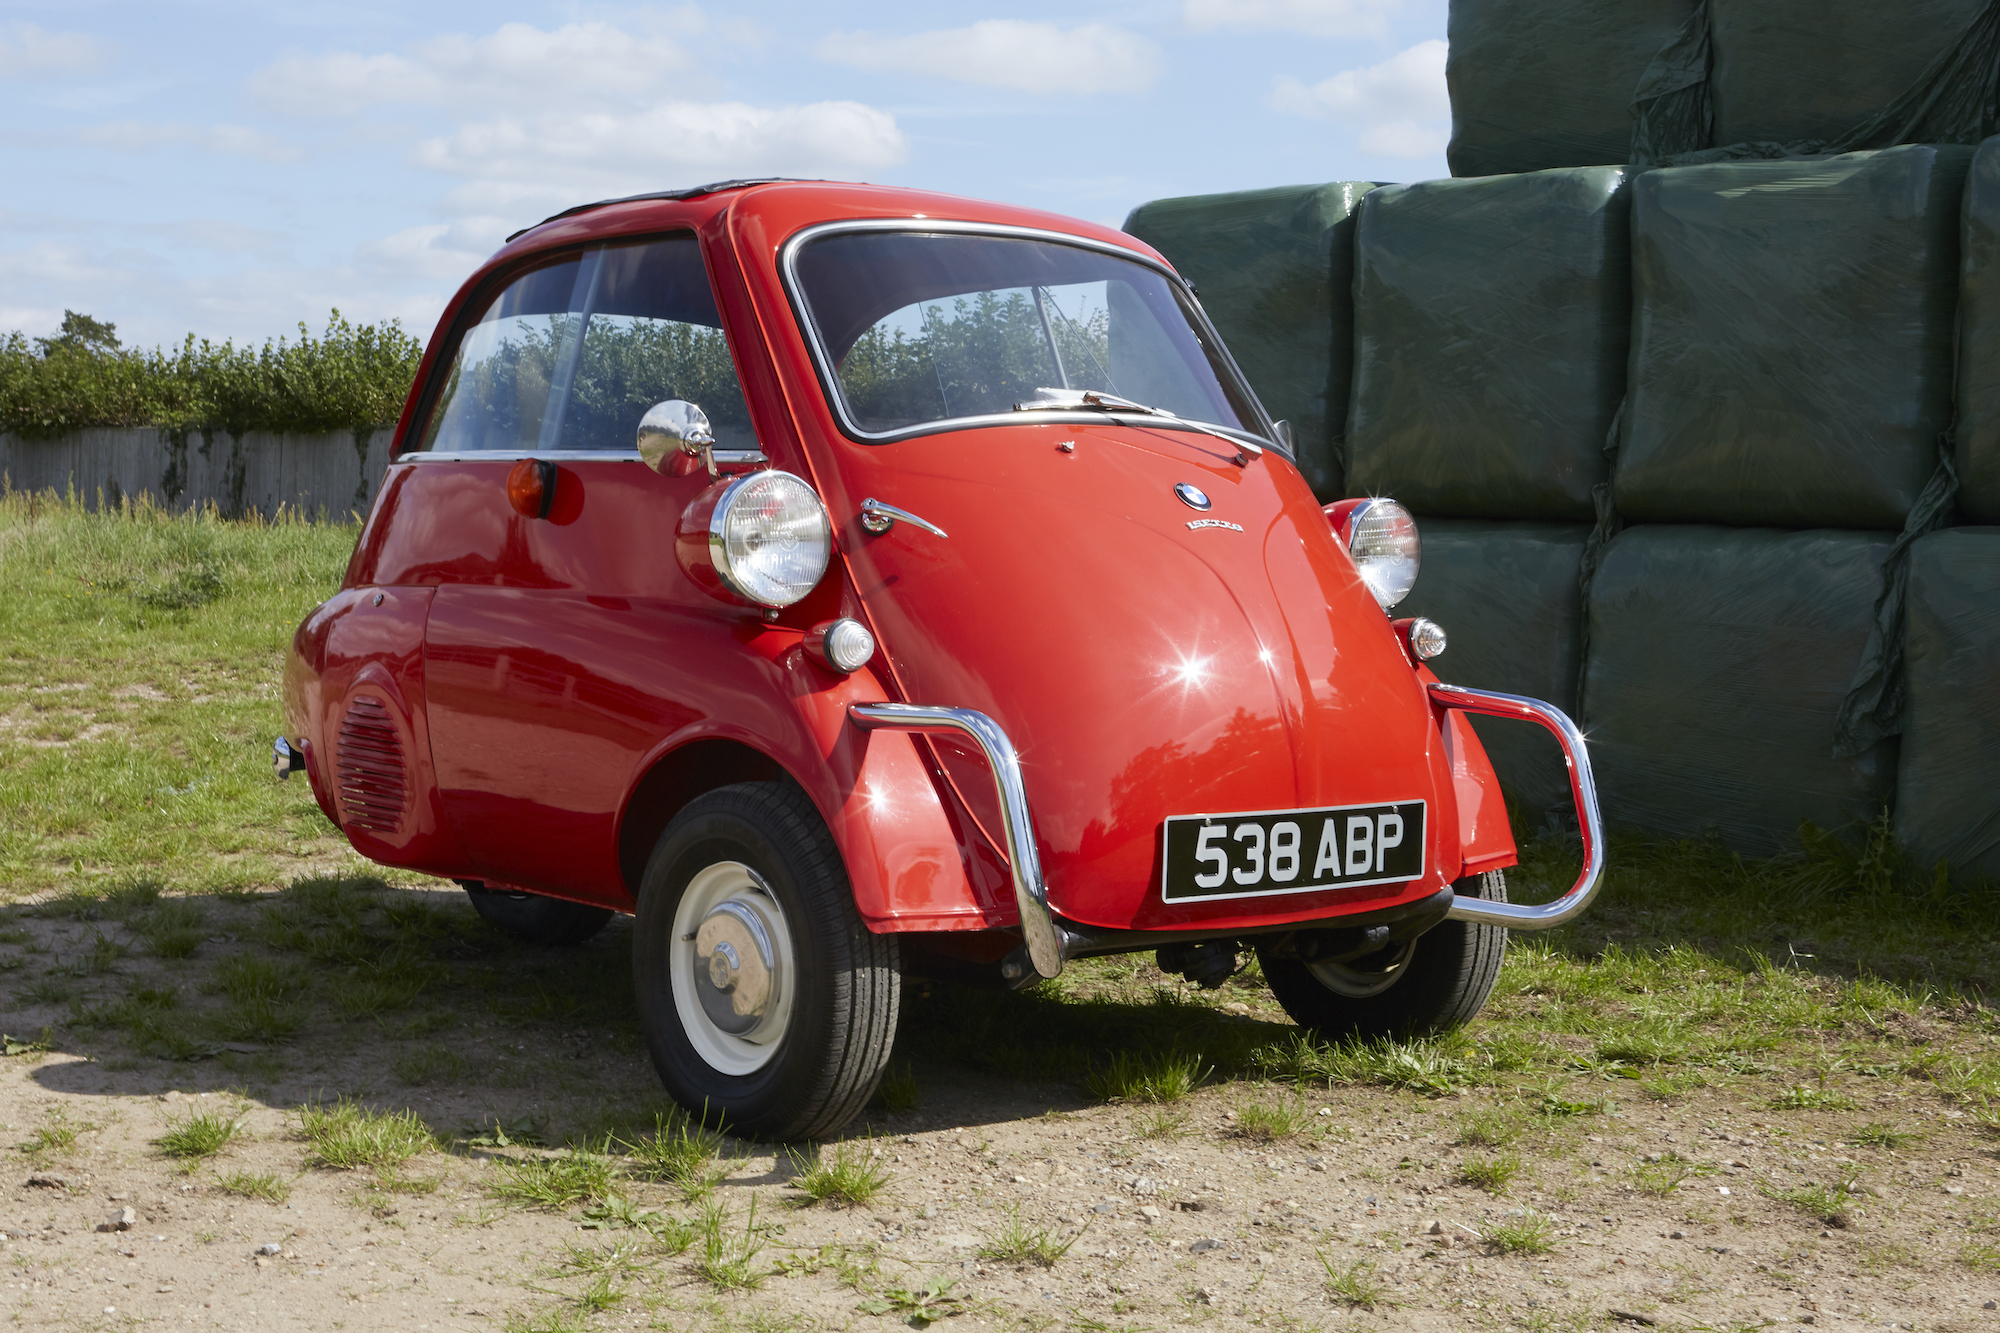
{"x": 569, "y": 355}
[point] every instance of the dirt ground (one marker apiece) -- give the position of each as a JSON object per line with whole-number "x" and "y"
{"x": 1362, "y": 1219}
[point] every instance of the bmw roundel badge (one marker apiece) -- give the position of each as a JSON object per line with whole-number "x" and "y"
{"x": 1191, "y": 495}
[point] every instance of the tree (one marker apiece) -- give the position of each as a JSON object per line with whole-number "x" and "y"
{"x": 81, "y": 333}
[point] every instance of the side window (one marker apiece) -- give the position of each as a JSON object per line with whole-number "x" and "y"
{"x": 570, "y": 355}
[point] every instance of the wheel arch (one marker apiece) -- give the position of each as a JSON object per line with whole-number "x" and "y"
{"x": 676, "y": 777}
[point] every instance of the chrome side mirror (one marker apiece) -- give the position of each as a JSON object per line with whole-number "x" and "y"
{"x": 1286, "y": 437}
{"x": 676, "y": 427}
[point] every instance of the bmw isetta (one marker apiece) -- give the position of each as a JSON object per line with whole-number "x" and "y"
{"x": 851, "y": 582}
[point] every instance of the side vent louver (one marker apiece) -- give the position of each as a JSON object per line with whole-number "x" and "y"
{"x": 373, "y": 788}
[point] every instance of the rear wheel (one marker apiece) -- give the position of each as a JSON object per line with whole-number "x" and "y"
{"x": 535, "y": 919}
{"x": 1436, "y": 981}
{"x": 765, "y": 1000}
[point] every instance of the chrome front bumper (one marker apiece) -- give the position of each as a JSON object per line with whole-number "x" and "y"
{"x": 1047, "y": 942}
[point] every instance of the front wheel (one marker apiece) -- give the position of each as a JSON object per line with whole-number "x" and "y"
{"x": 764, "y": 998}
{"x": 1436, "y": 981}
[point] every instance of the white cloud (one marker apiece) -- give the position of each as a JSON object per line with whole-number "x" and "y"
{"x": 1009, "y": 53}
{"x": 137, "y": 136}
{"x": 590, "y": 63}
{"x": 1399, "y": 107}
{"x": 26, "y": 51}
{"x": 1314, "y": 18}
{"x": 573, "y": 156}
{"x": 440, "y": 252}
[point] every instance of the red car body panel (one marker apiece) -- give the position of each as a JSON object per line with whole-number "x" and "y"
{"x": 544, "y": 671}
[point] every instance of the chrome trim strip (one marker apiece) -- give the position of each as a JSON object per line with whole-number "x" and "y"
{"x": 1583, "y": 788}
{"x": 823, "y": 362}
{"x": 723, "y": 457}
{"x": 1045, "y": 939}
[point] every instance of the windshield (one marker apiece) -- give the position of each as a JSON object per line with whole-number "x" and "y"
{"x": 926, "y": 327}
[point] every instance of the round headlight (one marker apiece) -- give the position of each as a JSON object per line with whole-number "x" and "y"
{"x": 1382, "y": 538}
{"x": 770, "y": 538}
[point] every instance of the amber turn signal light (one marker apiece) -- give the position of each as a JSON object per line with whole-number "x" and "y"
{"x": 531, "y": 487}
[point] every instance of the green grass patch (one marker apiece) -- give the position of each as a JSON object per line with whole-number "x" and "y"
{"x": 1166, "y": 1076}
{"x": 1528, "y": 1233}
{"x": 1492, "y": 1174}
{"x": 570, "y": 1177}
{"x": 199, "y": 1134}
{"x": 727, "y": 1257}
{"x": 1800, "y": 1097}
{"x": 1273, "y": 1118}
{"x": 262, "y": 1185}
{"x": 1354, "y": 1285}
{"x": 680, "y": 1151}
{"x": 851, "y": 1174}
{"x": 1016, "y": 1241}
{"x": 346, "y": 1135}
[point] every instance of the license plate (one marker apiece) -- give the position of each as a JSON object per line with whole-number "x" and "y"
{"x": 1261, "y": 852}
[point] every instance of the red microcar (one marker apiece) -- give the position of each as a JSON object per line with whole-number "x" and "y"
{"x": 851, "y": 582}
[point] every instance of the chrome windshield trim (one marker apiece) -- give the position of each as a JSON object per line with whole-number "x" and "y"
{"x": 788, "y": 253}
{"x": 1583, "y": 789}
{"x": 1045, "y": 939}
{"x": 724, "y": 457}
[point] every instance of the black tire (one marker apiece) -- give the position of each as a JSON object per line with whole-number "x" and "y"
{"x": 549, "y": 923}
{"x": 838, "y": 984}
{"x": 1442, "y": 984}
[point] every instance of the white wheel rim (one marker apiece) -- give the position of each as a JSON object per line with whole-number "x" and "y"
{"x": 732, "y": 967}
{"x": 1360, "y": 983}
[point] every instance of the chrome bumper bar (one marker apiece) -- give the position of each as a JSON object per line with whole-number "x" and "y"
{"x": 1044, "y": 937}
{"x": 1519, "y": 916}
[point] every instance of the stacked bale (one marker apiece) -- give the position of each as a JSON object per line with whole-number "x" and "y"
{"x": 1273, "y": 268}
{"x": 1548, "y": 83}
{"x": 1948, "y": 803}
{"x": 1977, "y": 435}
{"x": 1489, "y": 357}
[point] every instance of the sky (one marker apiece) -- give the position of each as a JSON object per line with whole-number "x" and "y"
{"x": 232, "y": 170}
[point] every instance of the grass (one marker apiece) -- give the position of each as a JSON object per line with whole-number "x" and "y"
{"x": 1354, "y": 1285}
{"x": 1019, "y": 1242}
{"x": 346, "y": 1135}
{"x": 254, "y": 1185}
{"x": 1980, "y": 1256}
{"x": 55, "y": 1136}
{"x": 1268, "y": 1121}
{"x": 1529, "y": 1233}
{"x": 430, "y": 1064}
{"x": 680, "y": 1151}
{"x": 1824, "y": 1203}
{"x": 199, "y": 1134}
{"x": 852, "y": 1175}
{"x": 1166, "y": 1076}
{"x": 728, "y": 1257}
{"x": 141, "y": 717}
{"x": 919, "y": 1307}
{"x": 1799, "y": 1097}
{"x": 1881, "y": 1134}
{"x": 1666, "y": 1174}
{"x": 1492, "y": 1174}
{"x": 898, "y": 1092}
{"x": 571, "y": 1177}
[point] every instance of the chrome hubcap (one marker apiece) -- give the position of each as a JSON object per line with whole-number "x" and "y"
{"x": 732, "y": 968}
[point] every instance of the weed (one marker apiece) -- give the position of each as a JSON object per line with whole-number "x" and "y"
{"x": 670, "y": 1235}
{"x": 1530, "y": 1233}
{"x": 1824, "y": 1203}
{"x": 200, "y": 1134}
{"x": 1271, "y": 1120}
{"x": 47, "y": 989}
{"x": 1165, "y": 1077}
{"x": 1553, "y": 1105}
{"x": 346, "y": 1135}
{"x": 1017, "y": 1242}
{"x": 432, "y": 1064}
{"x": 1980, "y": 1256}
{"x": 1666, "y": 1174}
{"x": 1434, "y": 1066}
{"x": 371, "y": 992}
{"x": 1354, "y": 1285}
{"x": 919, "y": 1307}
{"x": 1881, "y": 1134}
{"x": 601, "y": 1295}
{"x": 56, "y": 1137}
{"x": 845, "y": 1178}
{"x": 1161, "y": 1123}
{"x": 255, "y": 1185}
{"x": 1799, "y": 1097}
{"x": 898, "y": 1091}
{"x": 680, "y": 1151}
{"x": 1492, "y": 1174}
{"x": 558, "y": 1319}
{"x": 1489, "y": 1129}
{"x": 573, "y": 1176}
{"x": 729, "y": 1259}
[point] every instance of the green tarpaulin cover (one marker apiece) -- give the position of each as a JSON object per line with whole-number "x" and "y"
{"x": 1490, "y": 322}
{"x": 1717, "y": 665}
{"x": 1977, "y": 442}
{"x": 1948, "y": 797}
{"x": 1548, "y": 83}
{"x": 1274, "y": 268}
{"x": 1787, "y": 70}
{"x": 1792, "y": 338}
{"x": 1506, "y": 595}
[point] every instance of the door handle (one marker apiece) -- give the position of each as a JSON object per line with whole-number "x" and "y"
{"x": 878, "y": 518}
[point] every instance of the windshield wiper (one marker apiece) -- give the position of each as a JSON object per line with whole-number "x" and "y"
{"x": 1090, "y": 400}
